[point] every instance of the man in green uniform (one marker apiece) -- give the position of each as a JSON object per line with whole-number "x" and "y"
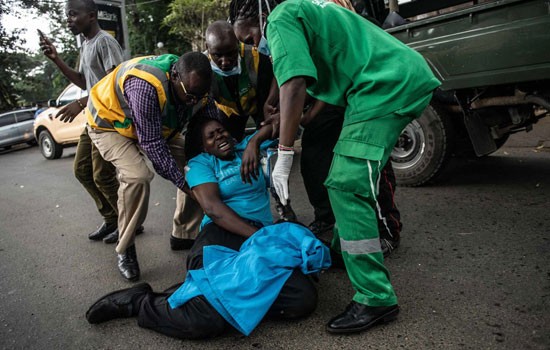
{"x": 336, "y": 56}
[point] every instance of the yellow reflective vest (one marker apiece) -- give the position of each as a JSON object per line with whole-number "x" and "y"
{"x": 226, "y": 101}
{"x": 107, "y": 108}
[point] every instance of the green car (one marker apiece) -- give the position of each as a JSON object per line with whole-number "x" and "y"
{"x": 493, "y": 59}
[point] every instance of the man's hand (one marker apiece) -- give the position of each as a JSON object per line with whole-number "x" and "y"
{"x": 269, "y": 110}
{"x": 274, "y": 120}
{"x": 48, "y": 48}
{"x": 250, "y": 163}
{"x": 69, "y": 112}
{"x": 307, "y": 117}
{"x": 312, "y": 112}
{"x": 280, "y": 175}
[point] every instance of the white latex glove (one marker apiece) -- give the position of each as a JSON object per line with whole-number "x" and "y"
{"x": 280, "y": 174}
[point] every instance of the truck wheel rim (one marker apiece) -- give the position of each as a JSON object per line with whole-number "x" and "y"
{"x": 47, "y": 146}
{"x": 409, "y": 147}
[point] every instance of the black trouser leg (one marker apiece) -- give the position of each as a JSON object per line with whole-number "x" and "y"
{"x": 389, "y": 225}
{"x": 298, "y": 298}
{"x": 197, "y": 318}
{"x": 318, "y": 141}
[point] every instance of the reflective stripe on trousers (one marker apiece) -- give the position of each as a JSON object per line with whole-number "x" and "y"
{"x": 357, "y": 235}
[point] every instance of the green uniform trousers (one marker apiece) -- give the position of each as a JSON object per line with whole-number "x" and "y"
{"x": 364, "y": 148}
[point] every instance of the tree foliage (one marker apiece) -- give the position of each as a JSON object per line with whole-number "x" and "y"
{"x": 189, "y": 18}
{"x": 10, "y": 42}
{"x": 28, "y": 77}
{"x": 146, "y": 28}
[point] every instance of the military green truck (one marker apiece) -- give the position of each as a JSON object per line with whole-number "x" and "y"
{"x": 493, "y": 59}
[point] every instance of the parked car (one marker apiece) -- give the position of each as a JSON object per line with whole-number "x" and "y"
{"x": 54, "y": 135}
{"x": 16, "y": 127}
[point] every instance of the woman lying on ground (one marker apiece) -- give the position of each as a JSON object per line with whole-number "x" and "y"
{"x": 230, "y": 186}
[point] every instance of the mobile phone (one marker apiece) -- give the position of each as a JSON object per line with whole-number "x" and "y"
{"x": 40, "y": 34}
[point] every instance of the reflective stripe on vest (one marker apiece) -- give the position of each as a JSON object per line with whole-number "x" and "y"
{"x": 107, "y": 107}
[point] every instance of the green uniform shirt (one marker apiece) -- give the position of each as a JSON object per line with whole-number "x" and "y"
{"x": 347, "y": 60}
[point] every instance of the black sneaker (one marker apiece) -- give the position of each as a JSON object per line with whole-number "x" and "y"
{"x": 388, "y": 246}
{"x": 319, "y": 227}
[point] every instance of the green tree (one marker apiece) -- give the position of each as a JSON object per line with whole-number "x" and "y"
{"x": 26, "y": 77}
{"x": 10, "y": 42}
{"x": 189, "y": 18}
{"x": 146, "y": 28}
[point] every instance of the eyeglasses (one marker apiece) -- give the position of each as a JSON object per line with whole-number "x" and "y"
{"x": 191, "y": 98}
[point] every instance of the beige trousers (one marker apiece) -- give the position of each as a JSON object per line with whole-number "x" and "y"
{"x": 188, "y": 214}
{"x": 135, "y": 177}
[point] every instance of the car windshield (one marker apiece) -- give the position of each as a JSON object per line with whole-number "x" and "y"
{"x": 69, "y": 95}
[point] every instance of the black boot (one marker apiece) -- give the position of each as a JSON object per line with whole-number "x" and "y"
{"x": 103, "y": 231}
{"x": 128, "y": 264}
{"x": 119, "y": 304}
{"x": 359, "y": 317}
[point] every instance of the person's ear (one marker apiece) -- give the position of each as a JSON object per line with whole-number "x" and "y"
{"x": 93, "y": 16}
{"x": 174, "y": 76}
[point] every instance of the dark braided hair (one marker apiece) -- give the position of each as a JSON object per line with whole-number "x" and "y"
{"x": 247, "y": 9}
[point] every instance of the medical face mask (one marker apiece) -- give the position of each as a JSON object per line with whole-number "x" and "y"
{"x": 263, "y": 48}
{"x": 234, "y": 71}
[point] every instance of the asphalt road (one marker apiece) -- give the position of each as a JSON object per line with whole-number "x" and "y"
{"x": 472, "y": 271}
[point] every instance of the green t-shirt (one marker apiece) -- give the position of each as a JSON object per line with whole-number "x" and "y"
{"x": 347, "y": 60}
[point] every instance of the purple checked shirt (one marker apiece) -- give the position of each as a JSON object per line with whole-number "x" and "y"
{"x": 143, "y": 101}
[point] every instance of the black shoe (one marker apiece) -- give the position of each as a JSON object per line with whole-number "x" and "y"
{"x": 359, "y": 317}
{"x": 388, "y": 246}
{"x": 286, "y": 213}
{"x": 320, "y": 228}
{"x": 336, "y": 259}
{"x": 102, "y": 231}
{"x": 180, "y": 243}
{"x": 113, "y": 237}
{"x": 128, "y": 264}
{"x": 119, "y": 304}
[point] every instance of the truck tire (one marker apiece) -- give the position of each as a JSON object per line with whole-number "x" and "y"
{"x": 423, "y": 148}
{"x": 48, "y": 147}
